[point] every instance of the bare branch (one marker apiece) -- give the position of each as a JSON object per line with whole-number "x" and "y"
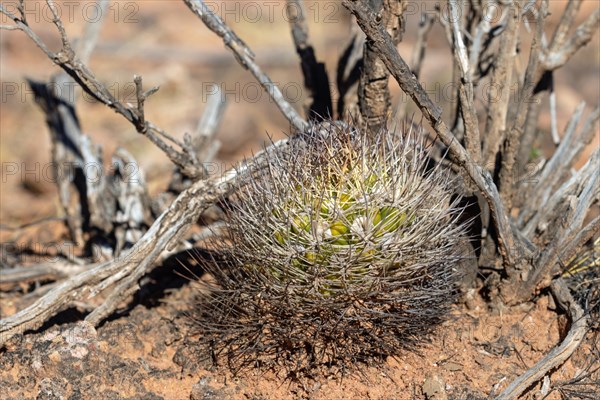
{"x": 558, "y": 355}
{"x": 460, "y": 50}
{"x": 557, "y": 168}
{"x": 545, "y": 58}
{"x": 348, "y": 73}
{"x": 76, "y": 69}
{"x": 129, "y": 193}
{"x": 245, "y": 57}
{"x": 159, "y": 241}
{"x": 21, "y": 24}
{"x": 556, "y": 57}
{"x": 10, "y": 27}
{"x": 141, "y": 97}
{"x": 11, "y": 277}
{"x": 432, "y": 113}
{"x": 374, "y": 97}
{"x": 483, "y": 29}
{"x": 67, "y": 154}
{"x": 527, "y": 107}
{"x": 553, "y": 117}
{"x": 501, "y": 80}
{"x": 204, "y": 143}
{"x": 566, "y": 225}
{"x": 566, "y": 21}
{"x": 469, "y": 115}
{"x": 418, "y": 55}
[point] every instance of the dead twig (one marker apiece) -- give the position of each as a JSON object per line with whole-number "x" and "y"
{"x": 418, "y": 55}
{"x": 433, "y": 114}
{"x": 348, "y": 73}
{"x": 158, "y": 242}
{"x": 67, "y": 59}
{"x": 556, "y": 170}
{"x": 552, "y": 57}
{"x": 204, "y": 143}
{"x": 527, "y": 106}
{"x": 500, "y": 82}
{"x": 544, "y": 59}
{"x": 561, "y": 353}
{"x": 245, "y": 57}
{"x": 471, "y": 123}
{"x": 558, "y": 54}
{"x": 11, "y": 277}
{"x": 374, "y": 97}
{"x": 567, "y": 223}
{"x": 480, "y": 38}
{"x": 91, "y": 31}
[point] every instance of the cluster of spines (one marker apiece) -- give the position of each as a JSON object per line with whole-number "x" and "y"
{"x": 341, "y": 246}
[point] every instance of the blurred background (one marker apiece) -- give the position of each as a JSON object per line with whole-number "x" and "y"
{"x": 171, "y": 48}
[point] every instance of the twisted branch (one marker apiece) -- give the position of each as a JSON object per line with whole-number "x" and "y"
{"x": 433, "y": 114}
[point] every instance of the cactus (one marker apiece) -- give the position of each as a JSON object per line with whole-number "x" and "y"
{"x": 341, "y": 247}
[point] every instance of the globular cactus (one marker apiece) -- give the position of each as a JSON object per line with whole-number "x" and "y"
{"x": 341, "y": 247}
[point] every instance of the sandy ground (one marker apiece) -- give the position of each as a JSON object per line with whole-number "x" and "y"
{"x": 144, "y": 353}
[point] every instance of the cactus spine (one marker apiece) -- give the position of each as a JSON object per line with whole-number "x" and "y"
{"x": 340, "y": 247}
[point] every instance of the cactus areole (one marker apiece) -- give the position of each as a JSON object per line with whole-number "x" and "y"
{"x": 341, "y": 247}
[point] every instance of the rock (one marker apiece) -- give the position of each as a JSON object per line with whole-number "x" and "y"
{"x": 434, "y": 387}
{"x": 453, "y": 366}
{"x": 203, "y": 391}
{"x": 51, "y": 388}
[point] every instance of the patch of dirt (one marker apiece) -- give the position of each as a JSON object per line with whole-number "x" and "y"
{"x": 146, "y": 353}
